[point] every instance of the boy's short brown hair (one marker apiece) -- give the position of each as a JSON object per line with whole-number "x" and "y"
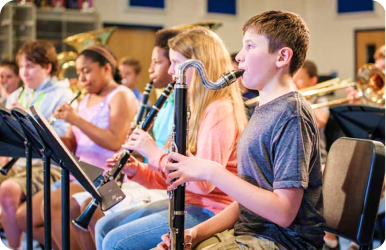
{"x": 40, "y": 52}
{"x": 282, "y": 28}
{"x": 311, "y": 68}
{"x": 131, "y": 62}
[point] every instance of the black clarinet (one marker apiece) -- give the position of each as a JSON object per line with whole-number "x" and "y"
{"x": 177, "y": 196}
{"x": 144, "y": 106}
{"x": 4, "y": 170}
{"x": 83, "y": 220}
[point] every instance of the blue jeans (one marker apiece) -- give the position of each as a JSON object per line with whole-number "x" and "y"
{"x": 142, "y": 227}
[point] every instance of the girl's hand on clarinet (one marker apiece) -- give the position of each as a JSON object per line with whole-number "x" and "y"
{"x": 141, "y": 142}
{"x": 131, "y": 167}
{"x": 111, "y": 161}
{"x": 67, "y": 113}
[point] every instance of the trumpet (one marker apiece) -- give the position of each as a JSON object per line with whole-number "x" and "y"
{"x": 179, "y": 135}
{"x": 83, "y": 220}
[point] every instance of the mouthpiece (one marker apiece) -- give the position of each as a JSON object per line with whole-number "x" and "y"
{"x": 232, "y": 76}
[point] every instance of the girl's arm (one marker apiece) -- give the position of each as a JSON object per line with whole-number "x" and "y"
{"x": 122, "y": 112}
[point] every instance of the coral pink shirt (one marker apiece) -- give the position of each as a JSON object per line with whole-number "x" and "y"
{"x": 217, "y": 139}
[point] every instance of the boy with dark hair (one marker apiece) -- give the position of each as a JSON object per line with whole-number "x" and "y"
{"x": 279, "y": 189}
{"x": 158, "y": 72}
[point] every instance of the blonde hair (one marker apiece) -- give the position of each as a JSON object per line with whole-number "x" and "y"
{"x": 204, "y": 45}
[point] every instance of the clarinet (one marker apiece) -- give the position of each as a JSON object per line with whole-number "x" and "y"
{"x": 4, "y": 170}
{"x": 143, "y": 110}
{"x": 83, "y": 220}
{"x": 177, "y": 196}
{"x": 144, "y": 107}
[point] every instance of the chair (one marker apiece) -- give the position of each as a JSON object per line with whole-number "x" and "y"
{"x": 352, "y": 186}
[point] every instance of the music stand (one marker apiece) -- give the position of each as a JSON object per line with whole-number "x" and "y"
{"x": 33, "y": 137}
{"x": 360, "y": 121}
{"x": 14, "y": 143}
{"x": 32, "y": 130}
{"x": 107, "y": 195}
{"x": 12, "y": 137}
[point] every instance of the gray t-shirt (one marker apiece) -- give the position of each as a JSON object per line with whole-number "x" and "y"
{"x": 280, "y": 149}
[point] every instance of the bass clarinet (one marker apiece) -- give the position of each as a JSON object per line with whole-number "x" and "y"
{"x": 177, "y": 196}
{"x": 83, "y": 220}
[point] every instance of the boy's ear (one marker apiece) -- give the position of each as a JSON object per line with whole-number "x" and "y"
{"x": 284, "y": 57}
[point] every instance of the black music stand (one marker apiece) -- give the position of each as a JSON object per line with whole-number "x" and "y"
{"x": 12, "y": 137}
{"x": 107, "y": 195}
{"x": 15, "y": 143}
{"x": 33, "y": 137}
{"x": 360, "y": 121}
{"x": 32, "y": 131}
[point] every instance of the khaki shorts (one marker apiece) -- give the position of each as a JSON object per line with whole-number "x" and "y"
{"x": 12, "y": 172}
{"x": 228, "y": 241}
{"x": 37, "y": 178}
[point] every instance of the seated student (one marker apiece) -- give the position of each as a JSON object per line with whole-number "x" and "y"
{"x": 9, "y": 82}
{"x": 307, "y": 76}
{"x": 135, "y": 193}
{"x": 140, "y": 228}
{"x": 98, "y": 129}
{"x": 9, "y": 79}
{"x": 278, "y": 190}
{"x": 130, "y": 70}
{"x": 38, "y": 66}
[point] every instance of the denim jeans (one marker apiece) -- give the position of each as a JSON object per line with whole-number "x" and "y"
{"x": 142, "y": 227}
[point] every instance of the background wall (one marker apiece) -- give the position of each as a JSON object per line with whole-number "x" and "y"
{"x": 332, "y": 34}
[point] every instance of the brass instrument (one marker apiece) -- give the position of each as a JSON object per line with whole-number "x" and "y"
{"x": 370, "y": 84}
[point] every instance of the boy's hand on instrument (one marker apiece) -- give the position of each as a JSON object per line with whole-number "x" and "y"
{"x": 186, "y": 168}
{"x": 141, "y": 142}
{"x": 190, "y": 234}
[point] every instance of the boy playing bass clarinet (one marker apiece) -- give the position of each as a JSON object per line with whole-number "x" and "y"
{"x": 278, "y": 190}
